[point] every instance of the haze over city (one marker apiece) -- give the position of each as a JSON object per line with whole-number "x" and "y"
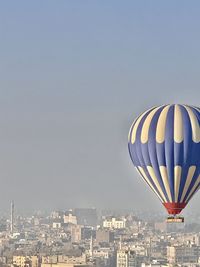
{"x": 99, "y": 133}
{"x": 74, "y": 75}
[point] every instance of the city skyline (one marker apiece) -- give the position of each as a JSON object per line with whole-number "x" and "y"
{"x": 86, "y": 238}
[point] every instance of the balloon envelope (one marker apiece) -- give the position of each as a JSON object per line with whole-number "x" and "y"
{"x": 164, "y": 145}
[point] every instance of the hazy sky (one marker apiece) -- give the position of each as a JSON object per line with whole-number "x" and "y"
{"x": 73, "y": 76}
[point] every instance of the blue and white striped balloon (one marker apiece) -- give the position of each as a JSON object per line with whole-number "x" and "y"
{"x": 164, "y": 145}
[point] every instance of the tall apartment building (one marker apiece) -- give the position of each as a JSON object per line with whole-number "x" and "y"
{"x": 126, "y": 258}
{"x": 76, "y": 231}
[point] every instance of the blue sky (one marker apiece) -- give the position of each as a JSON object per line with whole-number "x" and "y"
{"x": 74, "y": 74}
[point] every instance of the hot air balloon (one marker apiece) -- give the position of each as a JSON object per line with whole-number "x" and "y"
{"x": 164, "y": 145}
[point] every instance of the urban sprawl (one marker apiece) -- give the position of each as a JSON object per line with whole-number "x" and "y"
{"x": 86, "y": 237}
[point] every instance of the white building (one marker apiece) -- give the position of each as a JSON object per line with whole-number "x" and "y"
{"x": 70, "y": 218}
{"x": 114, "y": 223}
{"x": 56, "y": 225}
{"x": 126, "y": 258}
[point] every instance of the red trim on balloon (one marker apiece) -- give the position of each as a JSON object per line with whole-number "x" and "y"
{"x": 174, "y": 208}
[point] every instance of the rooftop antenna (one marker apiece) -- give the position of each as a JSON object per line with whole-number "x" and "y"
{"x": 12, "y": 217}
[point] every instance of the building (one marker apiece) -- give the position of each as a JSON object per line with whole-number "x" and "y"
{"x": 86, "y": 217}
{"x": 114, "y": 223}
{"x": 50, "y": 259}
{"x": 54, "y": 259}
{"x": 76, "y": 233}
{"x": 104, "y": 257}
{"x": 72, "y": 259}
{"x": 197, "y": 239}
{"x": 56, "y": 214}
{"x": 87, "y": 232}
{"x": 56, "y": 225}
{"x": 104, "y": 236}
{"x": 126, "y": 258}
{"x": 26, "y": 261}
{"x": 70, "y": 218}
{"x": 182, "y": 254}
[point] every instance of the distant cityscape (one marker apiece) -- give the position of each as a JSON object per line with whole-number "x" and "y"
{"x": 85, "y": 237}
